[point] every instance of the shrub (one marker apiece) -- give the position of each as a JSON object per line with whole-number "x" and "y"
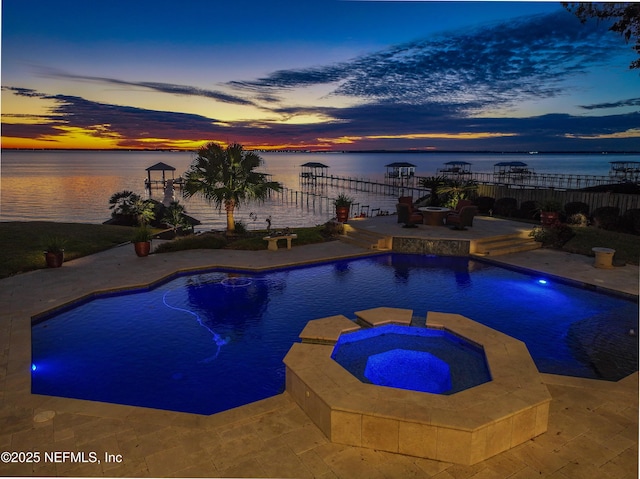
{"x": 630, "y": 221}
{"x": 54, "y": 243}
{"x": 142, "y": 234}
{"x": 201, "y": 241}
{"x": 505, "y": 206}
{"x": 606, "y": 217}
{"x": 555, "y": 236}
{"x": 333, "y": 228}
{"x": 578, "y": 219}
{"x": 529, "y": 210}
{"x": 484, "y": 204}
{"x": 575, "y": 207}
{"x": 241, "y": 228}
{"x": 550, "y": 205}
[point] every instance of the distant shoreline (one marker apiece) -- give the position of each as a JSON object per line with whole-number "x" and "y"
{"x": 395, "y": 152}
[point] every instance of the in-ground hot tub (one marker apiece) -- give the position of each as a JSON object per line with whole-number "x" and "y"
{"x": 418, "y": 359}
{"x": 464, "y": 427}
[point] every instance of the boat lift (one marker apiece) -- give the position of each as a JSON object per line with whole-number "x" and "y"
{"x": 512, "y": 171}
{"x": 456, "y": 170}
{"x": 625, "y": 171}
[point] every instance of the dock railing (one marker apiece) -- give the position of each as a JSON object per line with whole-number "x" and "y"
{"x": 544, "y": 180}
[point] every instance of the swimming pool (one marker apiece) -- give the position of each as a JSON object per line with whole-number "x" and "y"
{"x": 211, "y": 341}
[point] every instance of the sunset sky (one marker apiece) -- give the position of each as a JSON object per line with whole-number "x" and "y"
{"x": 314, "y": 74}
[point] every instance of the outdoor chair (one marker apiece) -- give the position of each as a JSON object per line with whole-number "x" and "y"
{"x": 463, "y": 218}
{"x": 407, "y": 216}
{"x": 461, "y": 204}
{"x": 411, "y": 214}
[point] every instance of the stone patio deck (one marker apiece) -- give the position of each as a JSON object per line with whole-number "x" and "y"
{"x": 592, "y": 430}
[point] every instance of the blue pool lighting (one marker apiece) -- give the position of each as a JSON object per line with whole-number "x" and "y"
{"x": 542, "y": 281}
{"x": 408, "y": 369}
{"x": 418, "y": 359}
{"x": 209, "y": 341}
{"x": 33, "y": 367}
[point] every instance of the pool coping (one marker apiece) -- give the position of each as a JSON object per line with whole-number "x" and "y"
{"x": 179, "y": 272}
{"x": 464, "y": 428}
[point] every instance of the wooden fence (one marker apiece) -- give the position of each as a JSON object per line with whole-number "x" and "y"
{"x": 594, "y": 200}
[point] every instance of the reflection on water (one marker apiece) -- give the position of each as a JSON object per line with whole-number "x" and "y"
{"x": 75, "y": 186}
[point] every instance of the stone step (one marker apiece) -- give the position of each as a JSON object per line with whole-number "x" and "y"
{"x": 514, "y": 249}
{"x": 482, "y": 246}
{"x": 498, "y": 248}
{"x": 365, "y": 239}
{"x": 355, "y": 241}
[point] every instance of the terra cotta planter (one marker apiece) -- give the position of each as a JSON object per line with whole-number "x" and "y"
{"x": 143, "y": 248}
{"x": 342, "y": 213}
{"x": 54, "y": 260}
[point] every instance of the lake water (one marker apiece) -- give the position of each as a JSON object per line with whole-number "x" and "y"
{"x": 75, "y": 186}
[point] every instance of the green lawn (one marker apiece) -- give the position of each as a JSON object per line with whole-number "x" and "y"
{"x": 627, "y": 246}
{"x": 22, "y": 243}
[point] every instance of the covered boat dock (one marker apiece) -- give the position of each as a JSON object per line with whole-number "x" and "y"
{"x": 456, "y": 169}
{"x": 163, "y": 168}
{"x": 312, "y": 170}
{"x": 625, "y": 170}
{"x": 400, "y": 170}
{"x": 512, "y": 171}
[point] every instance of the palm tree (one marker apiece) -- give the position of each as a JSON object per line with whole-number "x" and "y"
{"x": 131, "y": 206}
{"x": 434, "y": 183}
{"x": 226, "y": 177}
{"x": 456, "y": 190}
{"x": 122, "y": 202}
{"x": 143, "y": 211}
{"x": 175, "y": 216}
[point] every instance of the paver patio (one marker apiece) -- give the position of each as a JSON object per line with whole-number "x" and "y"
{"x": 592, "y": 431}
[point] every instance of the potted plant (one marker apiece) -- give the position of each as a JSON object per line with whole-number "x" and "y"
{"x": 343, "y": 206}
{"x": 142, "y": 240}
{"x": 550, "y": 212}
{"x": 54, "y": 251}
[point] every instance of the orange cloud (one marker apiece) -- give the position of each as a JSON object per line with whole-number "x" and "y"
{"x": 631, "y": 133}
{"x": 446, "y": 136}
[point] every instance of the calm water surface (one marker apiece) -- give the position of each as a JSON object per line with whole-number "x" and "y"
{"x": 75, "y": 186}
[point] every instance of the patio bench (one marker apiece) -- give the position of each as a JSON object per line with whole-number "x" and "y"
{"x": 273, "y": 241}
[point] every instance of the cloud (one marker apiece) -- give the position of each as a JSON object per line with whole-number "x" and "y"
{"x": 169, "y": 88}
{"x": 428, "y": 90}
{"x": 368, "y": 125}
{"x": 631, "y": 102}
{"x": 491, "y": 65}
{"x": 26, "y": 92}
{"x": 108, "y": 120}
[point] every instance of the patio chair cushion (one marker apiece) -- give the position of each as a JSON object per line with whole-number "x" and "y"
{"x": 462, "y": 219}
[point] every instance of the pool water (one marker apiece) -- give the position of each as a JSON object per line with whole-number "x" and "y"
{"x": 208, "y": 342}
{"x": 417, "y": 359}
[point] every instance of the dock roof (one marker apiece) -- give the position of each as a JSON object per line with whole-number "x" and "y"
{"x": 400, "y": 164}
{"x": 313, "y": 164}
{"x": 161, "y": 167}
{"x": 510, "y": 163}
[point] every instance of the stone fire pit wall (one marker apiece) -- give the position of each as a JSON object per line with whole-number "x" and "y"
{"x": 464, "y": 428}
